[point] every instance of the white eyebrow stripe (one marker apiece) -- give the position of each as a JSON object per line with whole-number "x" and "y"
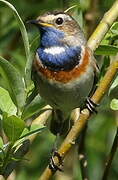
{"x": 54, "y": 50}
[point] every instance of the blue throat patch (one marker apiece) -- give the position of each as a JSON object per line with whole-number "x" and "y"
{"x": 65, "y": 60}
{"x": 51, "y": 36}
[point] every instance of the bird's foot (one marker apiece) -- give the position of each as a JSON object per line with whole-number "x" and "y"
{"x": 91, "y": 106}
{"x": 52, "y": 164}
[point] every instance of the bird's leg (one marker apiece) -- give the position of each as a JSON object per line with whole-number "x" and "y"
{"x": 57, "y": 128}
{"x": 55, "y": 145}
{"x": 91, "y": 106}
{"x": 52, "y": 164}
{"x": 54, "y": 154}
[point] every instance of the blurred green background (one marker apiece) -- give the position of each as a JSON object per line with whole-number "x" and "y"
{"x": 101, "y": 127}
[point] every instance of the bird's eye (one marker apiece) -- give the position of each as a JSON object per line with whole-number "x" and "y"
{"x": 59, "y": 21}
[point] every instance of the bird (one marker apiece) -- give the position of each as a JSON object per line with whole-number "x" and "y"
{"x": 64, "y": 68}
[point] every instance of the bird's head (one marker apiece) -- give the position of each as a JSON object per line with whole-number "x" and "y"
{"x": 62, "y": 41}
{"x": 59, "y": 28}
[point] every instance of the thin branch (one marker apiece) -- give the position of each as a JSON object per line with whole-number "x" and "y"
{"x": 110, "y": 157}
{"x": 93, "y": 42}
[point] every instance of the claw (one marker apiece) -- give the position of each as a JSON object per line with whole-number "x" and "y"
{"x": 91, "y": 105}
{"x": 52, "y": 164}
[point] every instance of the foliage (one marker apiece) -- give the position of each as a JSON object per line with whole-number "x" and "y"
{"x": 20, "y": 104}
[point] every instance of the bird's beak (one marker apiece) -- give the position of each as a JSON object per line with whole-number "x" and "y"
{"x": 39, "y": 23}
{"x": 35, "y": 22}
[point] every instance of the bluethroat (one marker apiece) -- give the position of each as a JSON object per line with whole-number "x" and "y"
{"x": 64, "y": 67}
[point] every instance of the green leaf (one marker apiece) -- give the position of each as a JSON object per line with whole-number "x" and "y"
{"x": 25, "y": 38}
{"x": 2, "y": 156}
{"x": 114, "y": 28}
{"x": 1, "y": 143}
{"x": 114, "y": 84}
{"x": 33, "y": 108}
{"x": 34, "y": 129}
{"x": 106, "y": 50}
{"x": 13, "y": 127}
{"x": 35, "y": 42}
{"x": 6, "y": 104}
{"x": 29, "y": 131}
{"x": 114, "y": 104}
{"x": 14, "y": 82}
{"x": 113, "y": 91}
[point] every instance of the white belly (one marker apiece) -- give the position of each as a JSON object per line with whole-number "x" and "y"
{"x": 66, "y": 96}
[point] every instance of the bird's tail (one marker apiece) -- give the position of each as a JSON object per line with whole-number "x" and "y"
{"x": 60, "y": 123}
